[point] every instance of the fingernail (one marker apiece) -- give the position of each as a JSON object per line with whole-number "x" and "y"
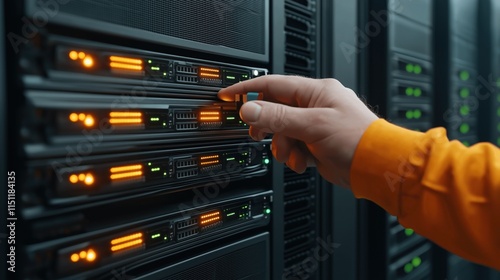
{"x": 250, "y": 112}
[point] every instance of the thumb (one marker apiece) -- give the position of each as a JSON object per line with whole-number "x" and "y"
{"x": 289, "y": 121}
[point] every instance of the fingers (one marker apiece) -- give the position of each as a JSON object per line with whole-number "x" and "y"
{"x": 267, "y": 117}
{"x": 274, "y": 88}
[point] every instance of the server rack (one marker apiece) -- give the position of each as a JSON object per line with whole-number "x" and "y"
{"x": 399, "y": 36}
{"x": 128, "y": 164}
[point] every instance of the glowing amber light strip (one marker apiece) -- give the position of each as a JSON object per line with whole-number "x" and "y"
{"x": 210, "y": 75}
{"x": 125, "y": 60}
{"x": 125, "y": 168}
{"x": 210, "y": 162}
{"x": 210, "y": 113}
{"x": 210, "y": 220}
{"x": 210, "y": 215}
{"x": 125, "y": 114}
{"x": 124, "y": 121}
{"x": 126, "y": 238}
{"x": 125, "y": 175}
{"x": 210, "y": 118}
{"x": 209, "y": 157}
{"x": 124, "y": 66}
{"x": 126, "y": 245}
{"x": 209, "y": 69}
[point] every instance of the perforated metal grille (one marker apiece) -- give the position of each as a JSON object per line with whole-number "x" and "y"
{"x": 237, "y": 24}
{"x": 246, "y": 263}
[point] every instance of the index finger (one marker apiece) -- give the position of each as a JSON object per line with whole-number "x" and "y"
{"x": 273, "y": 88}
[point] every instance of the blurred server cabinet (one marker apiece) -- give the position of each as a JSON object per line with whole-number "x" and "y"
{"x": 308, "y": 243}
{"x": 460, "y": 82}
{"x": 128, "y": 165}
{"x": 401, "y": 85}
{"x": 456, "y": 45}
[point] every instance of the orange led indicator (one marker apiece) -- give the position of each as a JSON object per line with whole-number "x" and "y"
{"x": 73, "y": 55}
{"x": 126, "y": 172}
{"x": 210, "y": 162}
{"x": 87, "y": 120}
{"x": 209, "y": 118}
{"x": 88, "y": 62}
{"x": 125, "y": 118}
{"x": 207, "y": 69}
{"x": 87, "y": 179}
{"x": 125, "y": 63}
{"x": 90, "y": 255}
{"x": 126, "y": 242}
{"x": 210, "y": 215}
{"x": 209, "y": 157}
{"x": 81, "y": 55}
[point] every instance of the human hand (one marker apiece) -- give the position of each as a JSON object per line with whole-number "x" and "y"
{"x": 313, "y": 121}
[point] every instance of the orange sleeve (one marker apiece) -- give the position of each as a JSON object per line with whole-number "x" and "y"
{"x": 443, "y": 190}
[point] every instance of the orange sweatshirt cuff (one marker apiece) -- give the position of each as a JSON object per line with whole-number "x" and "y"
{"x": 381, "y": 162}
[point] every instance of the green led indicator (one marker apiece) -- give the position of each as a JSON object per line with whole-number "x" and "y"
{"x": 231, "y": 77}
{"x": 416, "y": 261}
{"x": 268, "y": 211}
{"x": 408, "y": 268}
{"x": 149, "y": 163}
{"x": 464, "y": 75}
{"x": 466, "y": 143}
{"x": 409, "y": 91}
{"x": 245, "y": 76}
{"x": 164, "y": 74}
{"x": 155, "y": 236}
{"x": 241, "y": 122}
{"x": 231, "y": 158}
{"x": 231, "y": 214}
{"x": 155, "y": 119}
{"x": 164, "y": 124}
{"x": 150, "y": 61}
{"x": 464, "y": 92}
{"x": 266, "y": 161}
{"x": 417, "y": 69}
{"x": 417, "y": 92}
{"x": 165, "y": 238}
{"x": 409, "y": 68}
{"x": 464, "y": 128}
{"x": 409, "y": 231}
{"x": 464, "y": 110}
{"x": 230, "y": 118}
{"x": 409, "y": 114}
{"x": 417, "y": 114}
{"x": 155, "y": 169}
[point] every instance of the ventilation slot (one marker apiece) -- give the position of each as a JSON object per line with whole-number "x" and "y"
{"x": 187, "y": 173}
{"x": 295, "y": 188}
{"x": 187, "y": 233}
{"x": 187, "y": 79}
{"x": 185, "y": 116}
{"x": 186, "y": 126}
{"x": 186, "y": 69}
{"x": 186, "y": 163}
{"x": 298, "y": 24}
{"x": 298, "y": 42}
{"x": 187, "y": 223}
